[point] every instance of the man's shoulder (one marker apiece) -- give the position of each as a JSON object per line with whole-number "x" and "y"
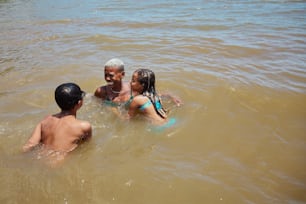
{"x": 101, "y": 91}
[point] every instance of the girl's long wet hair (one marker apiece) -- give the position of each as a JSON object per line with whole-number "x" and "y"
{"x": 146, "y": 78}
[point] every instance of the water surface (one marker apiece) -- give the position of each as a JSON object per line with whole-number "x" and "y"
{"x": 239, "y": 67}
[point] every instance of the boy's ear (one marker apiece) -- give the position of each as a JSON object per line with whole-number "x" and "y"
{"x": 80, "y": 103}
{"x": 123, "y": 73}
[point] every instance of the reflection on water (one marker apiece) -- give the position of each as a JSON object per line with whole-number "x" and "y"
{"x": 238, "y": 66}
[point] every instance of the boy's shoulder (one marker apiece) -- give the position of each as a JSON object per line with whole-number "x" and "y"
{"x": 86, "y": 129}
{"x": 85, "y": 124}
{"x": 48, "y": 119}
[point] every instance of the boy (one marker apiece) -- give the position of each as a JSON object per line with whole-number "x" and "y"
{"x": 116, "y": 91}
{"x": 62, "y": 132}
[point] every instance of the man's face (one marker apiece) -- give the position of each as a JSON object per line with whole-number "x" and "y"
{"x": 112, "y": 75}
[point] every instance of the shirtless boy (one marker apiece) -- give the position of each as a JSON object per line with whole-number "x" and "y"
{"x": 115, "y": 91}
{"x": 62, "y": 132}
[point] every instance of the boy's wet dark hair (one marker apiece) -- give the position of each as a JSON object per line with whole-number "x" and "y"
{"x": 67, "y": 95}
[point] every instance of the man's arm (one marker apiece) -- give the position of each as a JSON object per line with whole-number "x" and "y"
{"x": 100, "y": 92}
{"x": 34, "y": 139}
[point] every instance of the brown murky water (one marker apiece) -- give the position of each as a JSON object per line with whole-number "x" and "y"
{"x": 239, "y": 67}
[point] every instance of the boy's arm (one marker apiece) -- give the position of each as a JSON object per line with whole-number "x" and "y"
{"x": 34, "y": 139}
{"x": 87, "y": 131}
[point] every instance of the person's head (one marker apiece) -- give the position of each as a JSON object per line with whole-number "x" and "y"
{"x": 114, "y": 71}
{"x": 68, "y": 95}
{"x": 143, "y": 81}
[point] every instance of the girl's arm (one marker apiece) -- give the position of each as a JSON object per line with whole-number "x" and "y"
{"x": 176, "y": 100}
{"x": 133, "y": 108}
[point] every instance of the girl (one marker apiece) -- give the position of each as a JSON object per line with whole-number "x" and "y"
{"x": 146, "y": 100}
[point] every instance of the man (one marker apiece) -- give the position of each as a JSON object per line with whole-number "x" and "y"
{"x": 115, "y": 91}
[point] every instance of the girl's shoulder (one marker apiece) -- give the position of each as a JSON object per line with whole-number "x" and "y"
{"x": 139, "y": 99}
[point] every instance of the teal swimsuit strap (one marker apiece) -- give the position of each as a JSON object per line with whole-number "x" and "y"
{"x": 111, "y": 103}
{"x": 114, "y": 104}
{"x": 127, "y": 104}
{"x": 145, "y": 105}
{"x": 108, "y": 101}
{"x": 106, "y": 94}
{"x": 171, "y": 122}
{"x": 158, "y": 105}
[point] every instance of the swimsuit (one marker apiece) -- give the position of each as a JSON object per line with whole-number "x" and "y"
{"x": 111, "y": 103}
{"x": 148, "y": 103}
{"x": 127, "y": 103}
{"x": 171, "y": 122}
{"x": 145, "y": 105}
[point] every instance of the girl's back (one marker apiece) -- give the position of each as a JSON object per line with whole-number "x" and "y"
{"x": 143, "y": 105}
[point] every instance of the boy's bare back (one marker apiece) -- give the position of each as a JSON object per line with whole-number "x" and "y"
{"x": 63, "y": 133}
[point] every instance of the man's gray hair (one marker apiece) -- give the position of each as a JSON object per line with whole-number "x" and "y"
{"x": 115, "y": 62}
